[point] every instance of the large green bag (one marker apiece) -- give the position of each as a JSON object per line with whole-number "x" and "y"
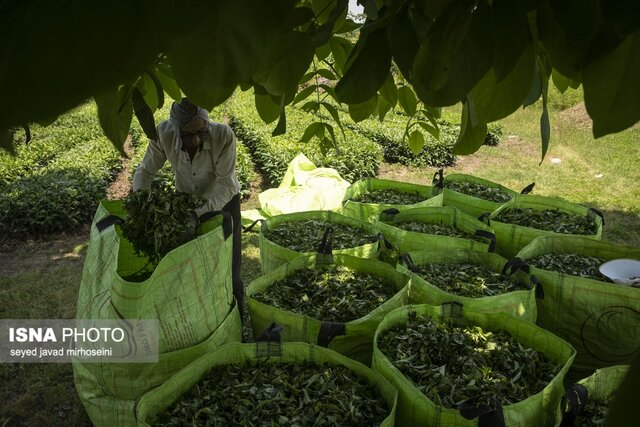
{"x": 472, "y": 205}
{"x": 598, "y": 386}
{"x": 415, "y": 409}
{"x": 370, "y": 211}
{"x": 601, "y": 320}
{"x": 511, "y": 238}
{"x": 405, "y": 241}
{"x": 273, "y": 255}
{"x": 521, "y": 303}
{"x": 353, "y": 338}
{"x": 168, "y": 393}
{"x": 189, "y": 293}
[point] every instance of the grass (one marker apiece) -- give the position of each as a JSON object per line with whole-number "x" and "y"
{"x": 40, "y": 279}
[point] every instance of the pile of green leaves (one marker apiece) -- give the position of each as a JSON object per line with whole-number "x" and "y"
{"x": 389, "y": 196}
{"x": 493, "y": 194}
{"x": 549, "y": 220}
{"x": 572, "y": 264}
{"x": 159, "y": 221}
{"x": 453, "y": 364}
{"x": 436, "y": 229}
{"x": 268, "y": 394}
{"x": 336, "y": 293}
{"x": 306, "y": 235}
{"x": 594, "y": 413}
{"x": 468, "y": 280}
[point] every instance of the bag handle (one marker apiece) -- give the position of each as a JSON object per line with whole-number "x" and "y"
{"x": 249, "y": 227}
{"x": 538, "y": 285}
{"x": 438, "y": 179}
{"x": 592, "y": 212}
{"x": 484, "y": 218}
{"x": 406, "y": 258}
{"x": 328, "y": 331}
{"x": 227, "y": 221}
{"x": 488, "y": 235}
{"x": 575, "y": 400}
{"x": 528, "y": 188}
{"x": 108, "y": 221}
{"x": 487, "y": 416}
{"x": 515, "y": 264}
{"x": 387, "y": 215}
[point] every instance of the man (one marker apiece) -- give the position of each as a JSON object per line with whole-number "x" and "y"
{"x": 203, "y": 156}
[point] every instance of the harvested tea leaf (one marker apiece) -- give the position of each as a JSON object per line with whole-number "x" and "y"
{"x": 572, "y": 264}
{"x": 492, "y": 194}
{"x": 452, "y": 364}
{"x": 306, "y": 236}
{"x": 269, "y": 394}
{"x": 549, "y": 220}
{"x": 594, "y": 412}
{"x": 158, "y": 222}
{"x": 390, "y": 197}
{"x": 468, "y": 280}
{"x": 335, "y": 293}
{"x": 435, "y": 229}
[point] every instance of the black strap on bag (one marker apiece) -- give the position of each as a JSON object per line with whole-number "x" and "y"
{"x": 268, "y": 342}
{"x": 487, "y": 235}
{"x": 387, "y": 215}
{"x": 328, "y": 331}
{"x": 227, "y": 221}
{"x": 382, "y": 239}
{"x": 249, "y": 227}
{"x": 107, "y": 222}
{"x": 538, "y": 285}
{"x": 485, "y": 218}
{"x": 325, "y": 250}
{"x": 406, "y": 258}
{"x": 528, "y": 188}
{"x": 592, "y": 212}
{"x": 438, "y": 181}
{"x": 515, "y": 264}
{"x": 487, "y": 416}
{"x": 575, "y": 400}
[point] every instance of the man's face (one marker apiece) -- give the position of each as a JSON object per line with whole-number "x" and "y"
{"x": 194, "y": 132}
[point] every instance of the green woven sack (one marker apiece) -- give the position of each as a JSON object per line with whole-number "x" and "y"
{"x": 370, "y": 211}
{"x": 511, "y": 238}
{"x": 598, "y": 386}
{"x": 520, "y": 303}
{"x": 353, "y": 338}
{"x": 415, "y": 409}
{"x": 472, "y": 205}
{"x": 168, "y": 393}
{"x": 601, "y": 320}
{"x": 189, "y": 293}
{"x": 273, "y": 255}
{"x": 405, "y": 241}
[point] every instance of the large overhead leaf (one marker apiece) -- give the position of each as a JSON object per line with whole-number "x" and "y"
{"x": 285, "y": 62}
{"x": 144, "y": 114}
{"x": 567, "y": 29}
{"x": 168, "y": 81}
{"x": 403, "y": 41}
{"x": 368, "y": 70}
{"x": 210, "y": 61}
{"x": 267, "y": 108}
{"x": 359, "y": 112}
{"x": 511, "y": 35}
{"x": 115, "y": 121}
{"x": 457, "y": 54}
{"x": 472, "y": 134}
{"x": 612, "y": 88}
{"x": 341, "y": 49}
{"x": 495, "y": 99}
{"x": 55, "y": 55}
{"x": 407, "y": 99}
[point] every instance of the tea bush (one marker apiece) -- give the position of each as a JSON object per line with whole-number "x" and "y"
{"x": 358, "y": 157}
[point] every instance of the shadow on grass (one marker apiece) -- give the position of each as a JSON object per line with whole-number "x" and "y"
{"x": 620, "y": 227}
